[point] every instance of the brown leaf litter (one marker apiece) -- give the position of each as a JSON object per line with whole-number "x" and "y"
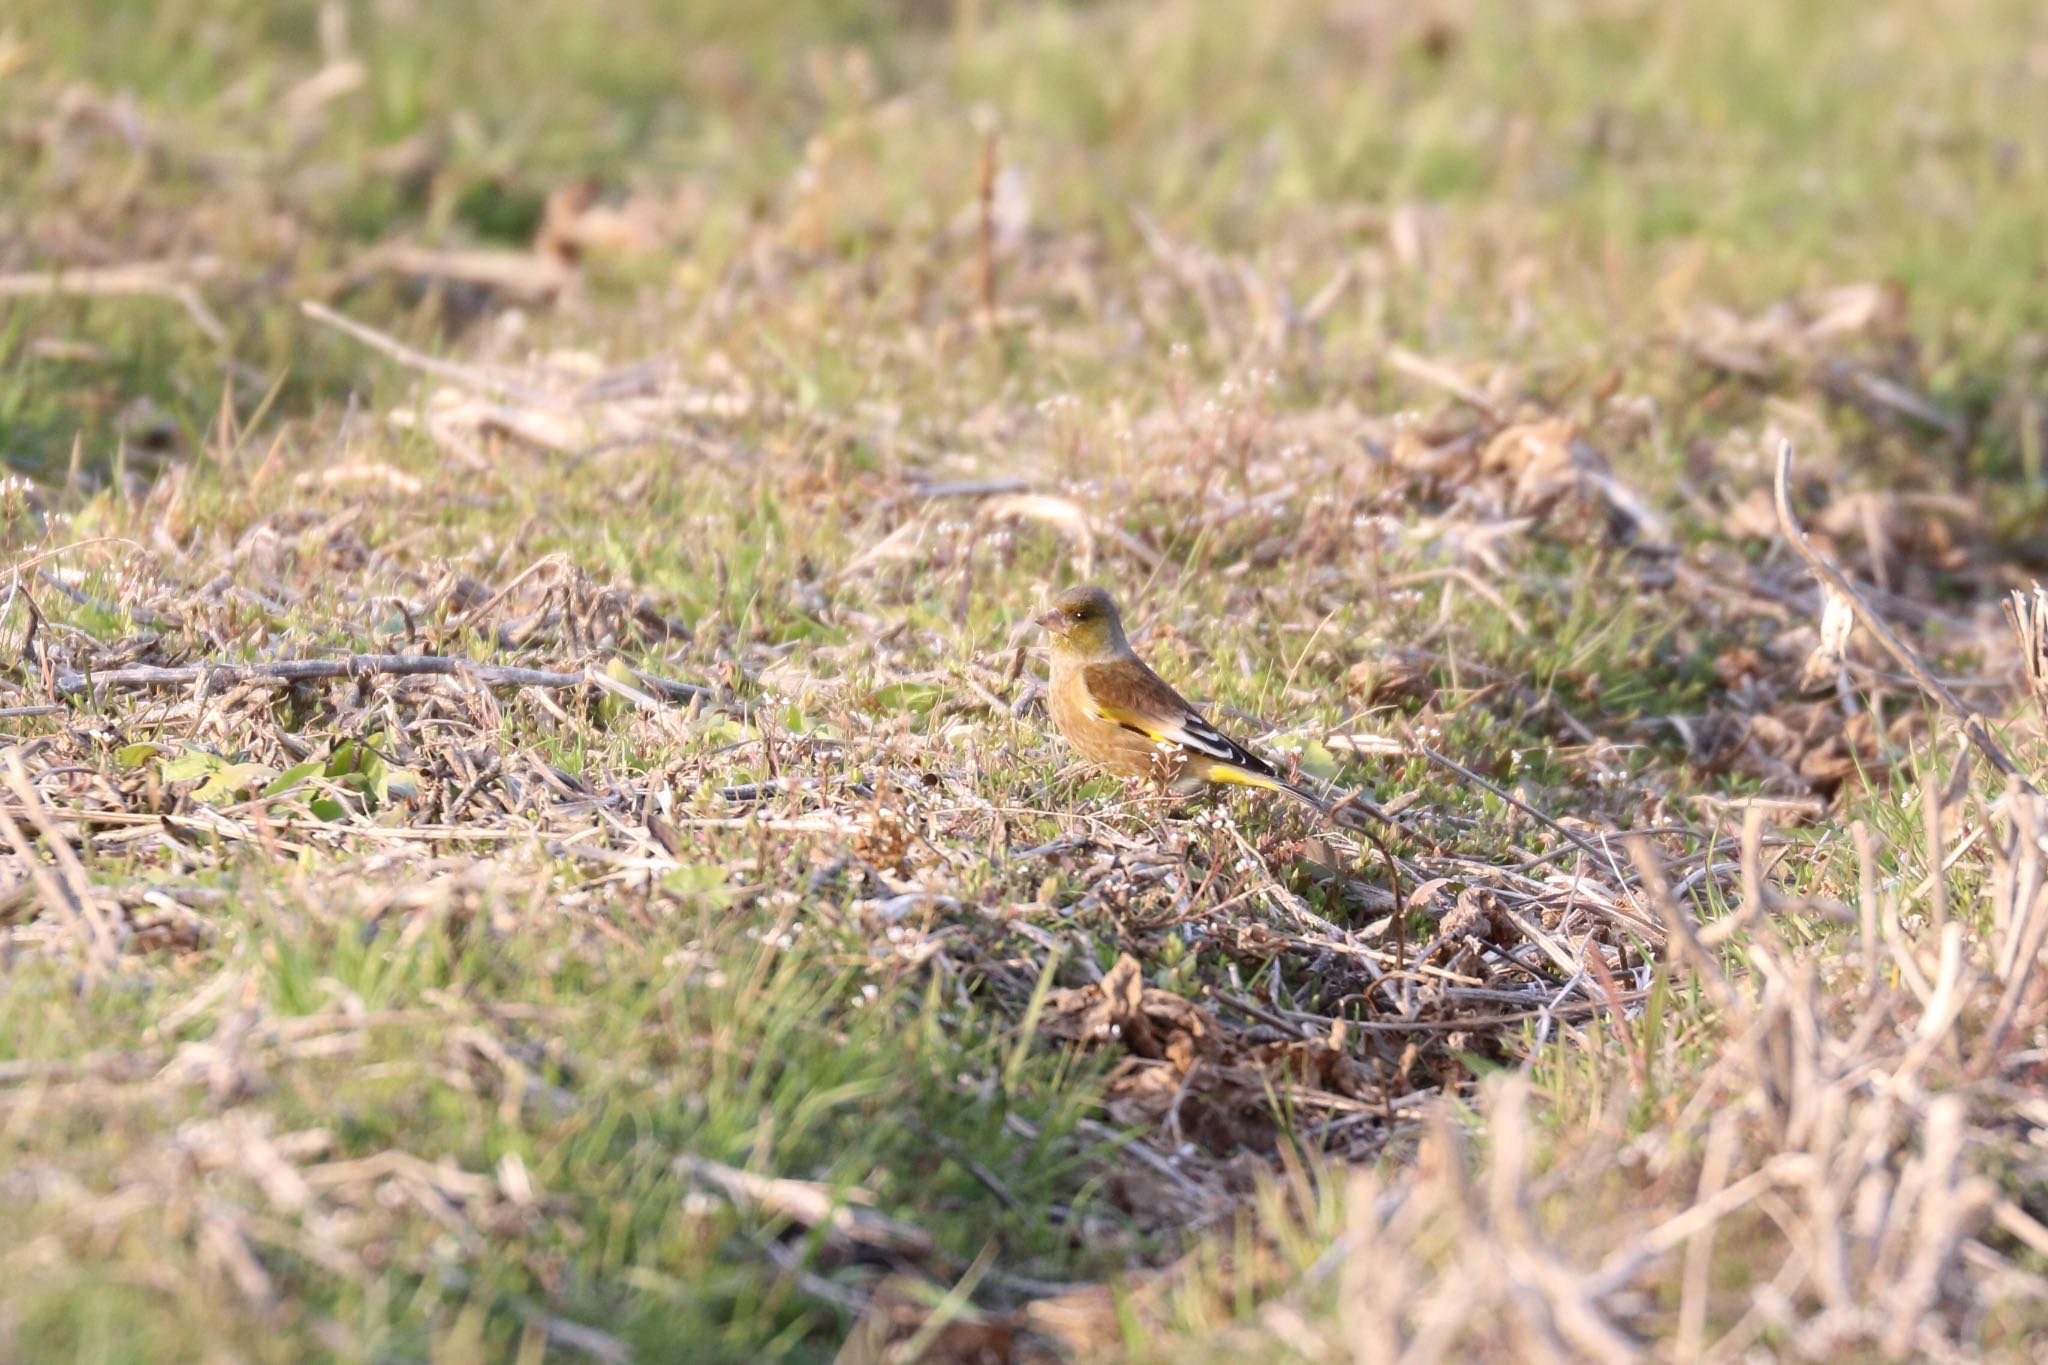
{"x": 1188, "y": 1075}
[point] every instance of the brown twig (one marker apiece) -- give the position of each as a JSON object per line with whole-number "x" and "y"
{"x": 986, "y": 239}
{"x": 811, "y": 1204}
{"x": 1450, "y": 764}
{"x": 66, "y": 891}
{"x": 470, "y": 377}
{"x": 160, "y": 279}
{"x": 1439, "y": 375}
{"x": 2028, "y": 615}
{"x": 218, "y": 675}
{"x": 1679, "y": 927}
{"x": 1935, "y": 689}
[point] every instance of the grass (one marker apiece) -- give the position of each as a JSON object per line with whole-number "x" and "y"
{"x": 1412, "y": 372}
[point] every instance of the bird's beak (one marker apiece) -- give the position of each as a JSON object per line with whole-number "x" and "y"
{"x": 1055, "y": 623}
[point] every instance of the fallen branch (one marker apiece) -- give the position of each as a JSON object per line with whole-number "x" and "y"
{"x": 141, "y": 615}
{"x": 811, "y": 1205}
{"x": 1439, "y": 375}
{"x": 1452, "y": 765}
{"x": 469, "y": 377}
{"x": 159, "y": 279}
{"x": 1935, "y": 689}
{"x": 353, "y": 666}
{"x": 525, "y": 276}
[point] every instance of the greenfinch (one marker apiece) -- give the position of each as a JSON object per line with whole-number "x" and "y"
{"x": 1120, "y": 715}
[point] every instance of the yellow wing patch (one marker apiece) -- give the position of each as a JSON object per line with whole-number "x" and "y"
{"x": 1130, "y": 720}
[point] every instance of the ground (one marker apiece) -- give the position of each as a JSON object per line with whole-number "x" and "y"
{"x": 720, "y": 959}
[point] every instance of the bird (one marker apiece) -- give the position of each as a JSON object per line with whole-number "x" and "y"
{"x": 1120, "y": 715}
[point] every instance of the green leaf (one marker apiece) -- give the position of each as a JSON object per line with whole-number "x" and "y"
{"x": 356, "y": 765}
{"x": 328, "y": 808}
{"x": 609, "y": 705}
{"x": 294, "y": 775}
{"x": 698, "y": 880}
{"x": 915, "y": 698}
{"x": 232, "y": 780}
{"x": 376, "y": 777}
{"x": 346, "y": 758}
{"x": 1317, "y": 761}
{"x": 192, "y": 763}
{"x": 132, "y": 756}
{"x": 715, "y": 730}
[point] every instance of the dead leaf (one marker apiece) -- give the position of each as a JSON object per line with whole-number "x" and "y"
{"x": 1066, "y": 517}
{"x": 1837, "y": 620}
{"x": 900, "y": 1312}
{"x": 579, "y": 222}
{"x": 1223, "y": 1109}
{"x": 1552, "y": 469}
{"x": 2028, "y": 615}
{"x": 1152, "y": 1023}
{"x": 812, "y": 1205}
{"x": 1737, "y": 665}
{"x": 1086, "y": 1320}
{"x": 1536, "y": 457}
{"x": 515, "y": 274}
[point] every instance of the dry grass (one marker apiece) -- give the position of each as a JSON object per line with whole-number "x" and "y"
{"x": 555, "y": 853}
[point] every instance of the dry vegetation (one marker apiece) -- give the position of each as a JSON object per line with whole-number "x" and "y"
{"x": 526, "y": 827}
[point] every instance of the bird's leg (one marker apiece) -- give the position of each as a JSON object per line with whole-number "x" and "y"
{"x": 1151, "y": 795}
{"x": 1062, "y": 791}
{"x": 1190, "y": 795}
{"x": 1149, "y": 791}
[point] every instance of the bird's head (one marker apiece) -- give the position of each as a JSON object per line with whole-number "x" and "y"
{"x": 1084, "y": 622}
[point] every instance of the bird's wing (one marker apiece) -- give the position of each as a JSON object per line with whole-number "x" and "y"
{"x": 1125, "y": 692}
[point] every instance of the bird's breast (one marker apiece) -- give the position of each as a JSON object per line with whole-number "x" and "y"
{"x": 1104, "y": 742}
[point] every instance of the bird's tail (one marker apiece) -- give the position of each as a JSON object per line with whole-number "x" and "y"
{"x": 1232, "y": 774}
{"x": 1352, "y": 810}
